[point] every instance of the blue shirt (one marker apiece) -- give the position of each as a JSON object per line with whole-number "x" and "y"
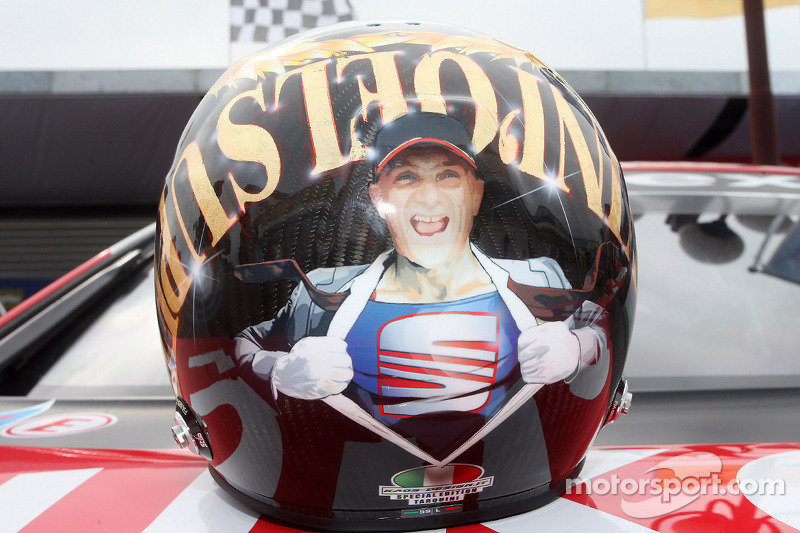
{"x": 424, "y": 359}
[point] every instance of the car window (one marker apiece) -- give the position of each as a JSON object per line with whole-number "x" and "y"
{"x": 119, "y": 353}
{"x": 708, "y": 314}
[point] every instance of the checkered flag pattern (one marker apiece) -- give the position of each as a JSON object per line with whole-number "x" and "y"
{"x": 272, "y": 20}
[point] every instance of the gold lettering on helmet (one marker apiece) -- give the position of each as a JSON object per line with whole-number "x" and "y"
{"x": 568, "y": 126}
{"x": 388, "y": 89}
{"x": 214, "y": 214}
{"x": 170, "y": 267}
{"x": 248, "y": 142}
{"x": 171, "y": 320}
{"x": 170, "y": 295}
{"x": 615, "y": 213}
{"x": 507, "y": 143}
{"x": 529, "y": 155}
{"x": 532, "y": 160}
{"x": 321, "y": 120}
{"x": 615, "y": 208}
{"x": 428, "y": 87}
{"x": 593, "y": 177}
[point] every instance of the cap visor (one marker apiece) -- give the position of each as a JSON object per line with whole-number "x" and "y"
{"x": 422, "y": 140}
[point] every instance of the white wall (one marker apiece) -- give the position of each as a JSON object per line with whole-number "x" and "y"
{"x": 113, "y": 34}
{"x": 719, "y": 44}
{"x": 568, "y": 34}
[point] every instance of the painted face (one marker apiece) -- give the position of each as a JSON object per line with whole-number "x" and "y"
{"x": 428, "y": 197}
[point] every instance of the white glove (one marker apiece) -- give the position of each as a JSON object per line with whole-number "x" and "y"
{"x": 315, "y": 367}
{"x": 548, "y": 353}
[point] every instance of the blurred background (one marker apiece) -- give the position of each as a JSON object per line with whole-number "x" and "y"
{"x": 94, "y": 94}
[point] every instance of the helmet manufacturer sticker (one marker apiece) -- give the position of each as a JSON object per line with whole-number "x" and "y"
{"x": 432, "y": 484}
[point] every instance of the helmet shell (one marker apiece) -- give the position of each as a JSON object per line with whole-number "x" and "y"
{"x": 268, "y": 226}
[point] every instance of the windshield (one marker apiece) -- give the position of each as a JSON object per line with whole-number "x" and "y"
{"x": 118, "y": 354}
{"x": 707, "y": 315}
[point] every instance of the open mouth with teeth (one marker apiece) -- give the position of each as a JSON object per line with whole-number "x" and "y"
{"x": 429, "y": 225}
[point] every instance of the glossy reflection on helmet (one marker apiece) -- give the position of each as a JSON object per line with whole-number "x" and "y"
{"x": 395, "y": 278}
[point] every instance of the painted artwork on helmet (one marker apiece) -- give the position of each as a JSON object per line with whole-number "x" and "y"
{"x": 395, "y": 272}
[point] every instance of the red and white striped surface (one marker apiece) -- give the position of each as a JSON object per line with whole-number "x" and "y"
{"x": 66, "y": 490}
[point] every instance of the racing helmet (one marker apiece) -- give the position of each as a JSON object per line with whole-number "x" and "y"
{"x": 395, "y": 279}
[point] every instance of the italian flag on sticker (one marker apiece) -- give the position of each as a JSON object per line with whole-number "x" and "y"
{"x": 432, "y": 476}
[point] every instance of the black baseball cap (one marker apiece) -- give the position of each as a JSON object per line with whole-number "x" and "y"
{"x": 417, "y": 129}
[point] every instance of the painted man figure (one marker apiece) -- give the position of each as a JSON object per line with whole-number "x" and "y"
{"x": 431, "y": 332}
